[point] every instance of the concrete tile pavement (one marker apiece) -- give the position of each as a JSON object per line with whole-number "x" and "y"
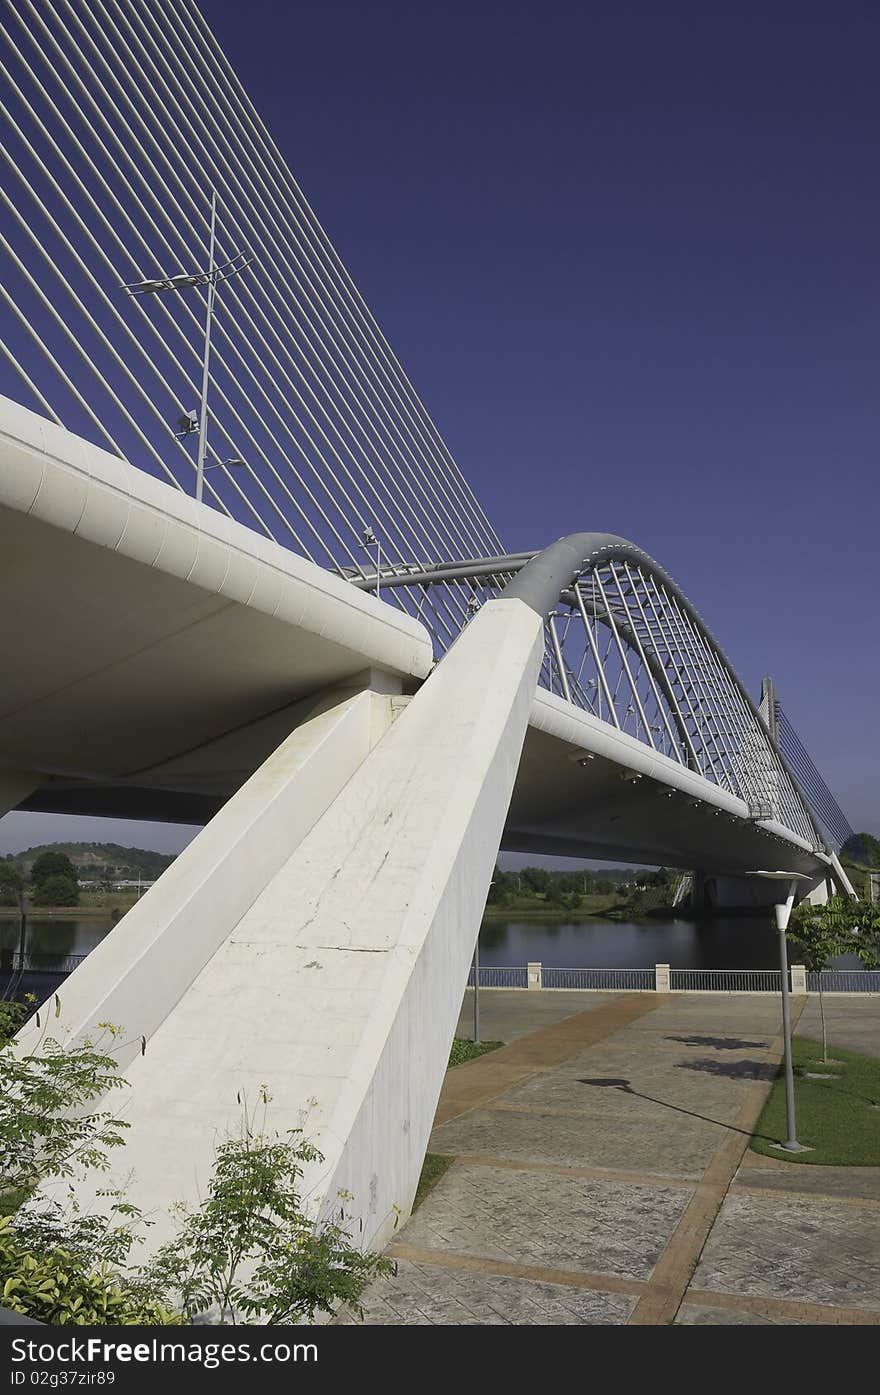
{"x": 601, "y": 1177}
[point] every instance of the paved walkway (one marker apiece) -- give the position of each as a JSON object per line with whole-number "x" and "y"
{"x": 601, "y": 1176}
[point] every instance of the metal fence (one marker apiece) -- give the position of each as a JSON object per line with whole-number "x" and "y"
{"x": 500, "y": 978}
{"x": 608, "y": 980}
{"x": 844, "y": 981}
{"x": 725, "y": 980}
{"x": 46, "y": 963}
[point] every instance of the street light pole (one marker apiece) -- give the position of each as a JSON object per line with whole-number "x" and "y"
{"x": 180, "y": 281}
{"x": 783, "y": 914}
{"x": 477, "y": 989}
{"x": 203, "y": 412}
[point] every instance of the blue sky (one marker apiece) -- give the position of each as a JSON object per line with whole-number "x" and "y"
{"x": 628, "y": 256}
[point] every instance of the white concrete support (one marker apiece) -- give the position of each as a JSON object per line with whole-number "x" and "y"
{"x": 339, "y": 988}
{"x": 661, "y": 978}
{"x": 16, "y": 785}
{"x": 534, "y": 975}
{"x": 845, "y": 885}
{"x": 138, "y": 974}
{"x": 798, "y": 979}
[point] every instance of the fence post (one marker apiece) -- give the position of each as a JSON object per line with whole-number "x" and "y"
{"x": 534, "y": 976}
{"x": 798, "y": 978}
{"x": 661, "y": 978}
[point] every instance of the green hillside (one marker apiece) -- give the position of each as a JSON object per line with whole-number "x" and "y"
{"x": 100, "y": 861}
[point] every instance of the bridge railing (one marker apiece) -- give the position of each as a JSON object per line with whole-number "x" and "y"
{"x": 601, "y": 980}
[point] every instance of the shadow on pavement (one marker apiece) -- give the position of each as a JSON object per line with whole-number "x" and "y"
{"x": 618, "y": 1083}
{"x": 722, "y": 1043}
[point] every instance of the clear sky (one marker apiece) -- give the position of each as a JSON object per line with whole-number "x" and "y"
{"x": 628, "y": 255}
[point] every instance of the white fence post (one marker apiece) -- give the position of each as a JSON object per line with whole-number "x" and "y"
{"x": 534, "y": 975}
{"x": 798, "y": 978}
{"x": 661, "y": 978}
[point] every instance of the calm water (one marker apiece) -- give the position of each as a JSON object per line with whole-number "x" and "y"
{"x": 726, "y": 942}
{"x": 57, "y": 937}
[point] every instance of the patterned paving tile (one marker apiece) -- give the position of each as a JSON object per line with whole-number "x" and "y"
{"x": 422, "y": 1295}
{"x": 549, "y": 1220}
{"x": 809, "y": 1252}
{"x": 695, "y": 1315}
{"x": 665, "y": 1143}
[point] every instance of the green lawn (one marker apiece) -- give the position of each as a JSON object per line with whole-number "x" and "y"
{"x": 433, "y": 1168}
{"x": 839, "y": 1119}
{"x": 435, "y": 1164}
{"x": 464, "y": 1050}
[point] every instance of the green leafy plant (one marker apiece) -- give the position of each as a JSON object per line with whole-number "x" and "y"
{"x": 54, "y": 1287}
{"x": 821, "y": 933}
{"x": 14, "y": 1014}
{"x": 46, "y": 1127}
{"x": 250, "y": 1251}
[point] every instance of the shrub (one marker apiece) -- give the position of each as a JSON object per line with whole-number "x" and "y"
{"x": 53, "y": 1288}
{"x": 57, "y": 891}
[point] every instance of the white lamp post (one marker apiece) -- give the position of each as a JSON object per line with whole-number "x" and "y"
{"x": 782, "y": 911}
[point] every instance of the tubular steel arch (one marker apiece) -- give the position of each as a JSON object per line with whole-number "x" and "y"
{"x": 626, "y": 645}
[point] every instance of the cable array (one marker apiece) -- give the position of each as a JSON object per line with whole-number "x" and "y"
{"x": 817, "y": 794}
{"x": 121, "y": 120}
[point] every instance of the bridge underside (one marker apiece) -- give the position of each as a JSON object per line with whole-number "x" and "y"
{"x": 558, "y": 809}
{"x": 158, "y": 653}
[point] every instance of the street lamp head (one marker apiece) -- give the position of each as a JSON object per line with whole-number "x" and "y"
{"x": 187, "y": 423}
{"x": 156, "y": 284}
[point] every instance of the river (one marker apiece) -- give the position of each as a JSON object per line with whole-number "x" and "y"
{"x": 725, "y": 942}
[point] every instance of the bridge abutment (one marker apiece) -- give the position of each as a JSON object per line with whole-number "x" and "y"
{"x": 316, "y": 939}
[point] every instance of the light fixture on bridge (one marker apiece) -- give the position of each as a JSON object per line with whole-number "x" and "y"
{"x": 185, "y": 280}
{"x": 187, "y": 423}
{"x": 369, "y": 539}
{"x": 233, "y": 463}
{"x": 631, "y": 777}
{"x": 586, "y": 758}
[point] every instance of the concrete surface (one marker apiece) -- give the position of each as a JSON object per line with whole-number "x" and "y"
{"x": 340, "y": 984}
{"x": 508, "y": 1013}
{"x": 602, "y": 1176}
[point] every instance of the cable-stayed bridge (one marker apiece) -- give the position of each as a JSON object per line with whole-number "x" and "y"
{"x": 251, "y": 589}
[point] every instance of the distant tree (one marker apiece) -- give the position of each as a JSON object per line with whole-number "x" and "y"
{"x": 821, "y": 933}
{"x": 52, "y": 864}
{"x": 57, "y": 891}
{"x": 11, "y": 884}
{"x": 555, "y": 895}
{"x": 501, "y": 889}
{"x": 537, "y": 879}
{"x": 864, "y": 848}
{"x": 603, "y": 887}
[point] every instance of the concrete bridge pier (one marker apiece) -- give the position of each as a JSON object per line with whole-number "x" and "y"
{"x": 316, "y": 938}
{"x": 716, "y": 892}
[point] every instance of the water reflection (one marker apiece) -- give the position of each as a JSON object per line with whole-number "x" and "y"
{"x": 725, "y": 942}
{"x": 51, "y": 938}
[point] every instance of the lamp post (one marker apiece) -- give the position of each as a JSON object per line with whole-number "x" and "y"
{"x": 782, "y": 912}
{"x": 156, "y": 285}
{"x": 477, "y": 990}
